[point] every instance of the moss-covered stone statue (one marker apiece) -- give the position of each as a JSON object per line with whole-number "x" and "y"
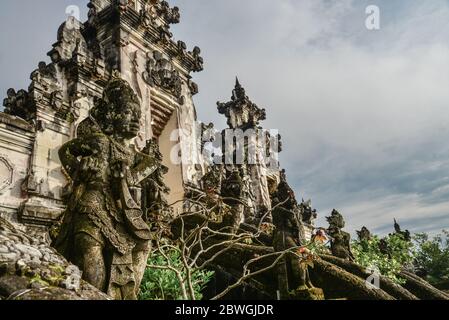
{"x": 340, "y": 240}
{"x": 103, "y": 231}
{"x": 293, "y": 275}
{"x": 154, "y": 204}
{"x": 364, "y": 234}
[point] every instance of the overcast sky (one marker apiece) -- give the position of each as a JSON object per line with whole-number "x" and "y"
{"x": 364, "y": 115}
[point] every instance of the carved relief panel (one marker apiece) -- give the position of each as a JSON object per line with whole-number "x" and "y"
{"x": 161, "y": 72}
{"x": 6, "y": 173}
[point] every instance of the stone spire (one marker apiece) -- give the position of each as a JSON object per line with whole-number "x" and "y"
{"x": 239, "y": 91}
{"x": 241, "y": 112}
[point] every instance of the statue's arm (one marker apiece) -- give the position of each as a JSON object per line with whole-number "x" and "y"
{"x": 86, "y": 147}
{"x": 68, "y": 154}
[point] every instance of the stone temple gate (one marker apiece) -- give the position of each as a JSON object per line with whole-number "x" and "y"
{"x": 131, "y": 38}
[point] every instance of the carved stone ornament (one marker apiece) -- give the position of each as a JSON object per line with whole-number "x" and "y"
{"x": 171, "y": 15}
{"x": 6, "y": 173}
{"x": 160, "y": 72}
{"x": 241, "y": 112}
{"x": 19, "y": 104}
{"x": 56, "y": 100}
{"x": 147, "y": 14}
{"x": 198, "y": 60}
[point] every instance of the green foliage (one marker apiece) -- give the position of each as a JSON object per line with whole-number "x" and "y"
{"x": 389, "y": 259}
{"x": 163, "y": 284}
{"x": 432, "y": 256}
{"x": 318, "y": 248}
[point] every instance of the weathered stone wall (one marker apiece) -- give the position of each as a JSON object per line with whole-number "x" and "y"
{"x": 16, "y": 147}
{"x": 31, "y": 270}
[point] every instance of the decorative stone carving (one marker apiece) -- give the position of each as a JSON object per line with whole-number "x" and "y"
{"x": 6, "y": 173}
{"x": 56, "y": 100}
{"x": 123, "y": 5}
{"x": 241, "y": 112}
{"x": 161, "y": 72}
{"x": 147, "y": 14}
{"x": 19, "y": 104}
{"x": 364, "y": 234}
{"x": 405, "y": 234}
{"x": 170, "y": 15}
{"x": 92, "y": 15}
{"x": 198, "y": 60}
{"x": 164, "y": 34}
{"x": 182, "y": 48}
{"x": 194, "y": 89}
{"x": 104, "y": 217}
{"x": 340, "y": 240}
{"x": 154, "y": 9}
{"x": 308, "y": 213}
{"x": 45, "y": 75}
{"x": 211, "y": 182}
{"x": 293, "y": 276}
{"x": 69, "y": 35}
{"x": 154, "y": 204}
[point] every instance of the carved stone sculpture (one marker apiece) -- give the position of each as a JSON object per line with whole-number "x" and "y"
{"x": 364, "y": 234}
{"x": 160, "y": 72}
{"x": 154, "y": 205}
{"x": 232, "y": 194}
{"x": 308, "y": 213}
{"x": 103, "y": 231}
{"x": 293, "y": 276}
{"x": 340, "y": 240}
{"x": 198, "y": 60}
{"x": 18, "y": 104}
{"x": 405, "y": 234}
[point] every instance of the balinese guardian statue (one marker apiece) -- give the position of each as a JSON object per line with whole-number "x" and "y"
{"x": 103, "y": 230}
{"x": 293, "y": 276}
{"x": 340, "y": 240}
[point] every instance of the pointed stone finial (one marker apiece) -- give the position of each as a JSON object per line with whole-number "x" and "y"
{"x": 239, "y": 92}
{"x": 237, "y": 82}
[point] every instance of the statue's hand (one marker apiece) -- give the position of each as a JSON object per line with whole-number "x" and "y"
{"x": 89, "y": 165}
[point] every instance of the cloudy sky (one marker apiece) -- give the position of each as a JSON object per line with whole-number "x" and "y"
{"x": 364, "y": 114}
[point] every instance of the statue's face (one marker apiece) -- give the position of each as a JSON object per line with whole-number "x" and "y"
{"x": 128, "y": 123}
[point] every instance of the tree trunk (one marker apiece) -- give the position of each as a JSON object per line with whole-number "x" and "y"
{"x": 335, "y": 280}
{"x": 386, "y": 284}
{"x": 421, "y": 288}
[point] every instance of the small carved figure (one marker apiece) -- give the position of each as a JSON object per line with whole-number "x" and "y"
{"x": 308, "y": 213}
{"x": 161, "y": 72}
{"x": 340, "y": 240}
{"x": 364, "y": 234}
{"x": 232, "y": 195}
{"x": 103, "y": 231}
{"x": 147, "y": 14}
{"x": 212, "y": 181}
{"x": 405, "y": 234}
{"x": 293, "y": 276}
{"x": 384, "y": 248}
{"x": 154, "y": 189}
{"x": 198, "y": 60}
{"x": 92, "y": 15}
{"x": 182, "y": 48}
